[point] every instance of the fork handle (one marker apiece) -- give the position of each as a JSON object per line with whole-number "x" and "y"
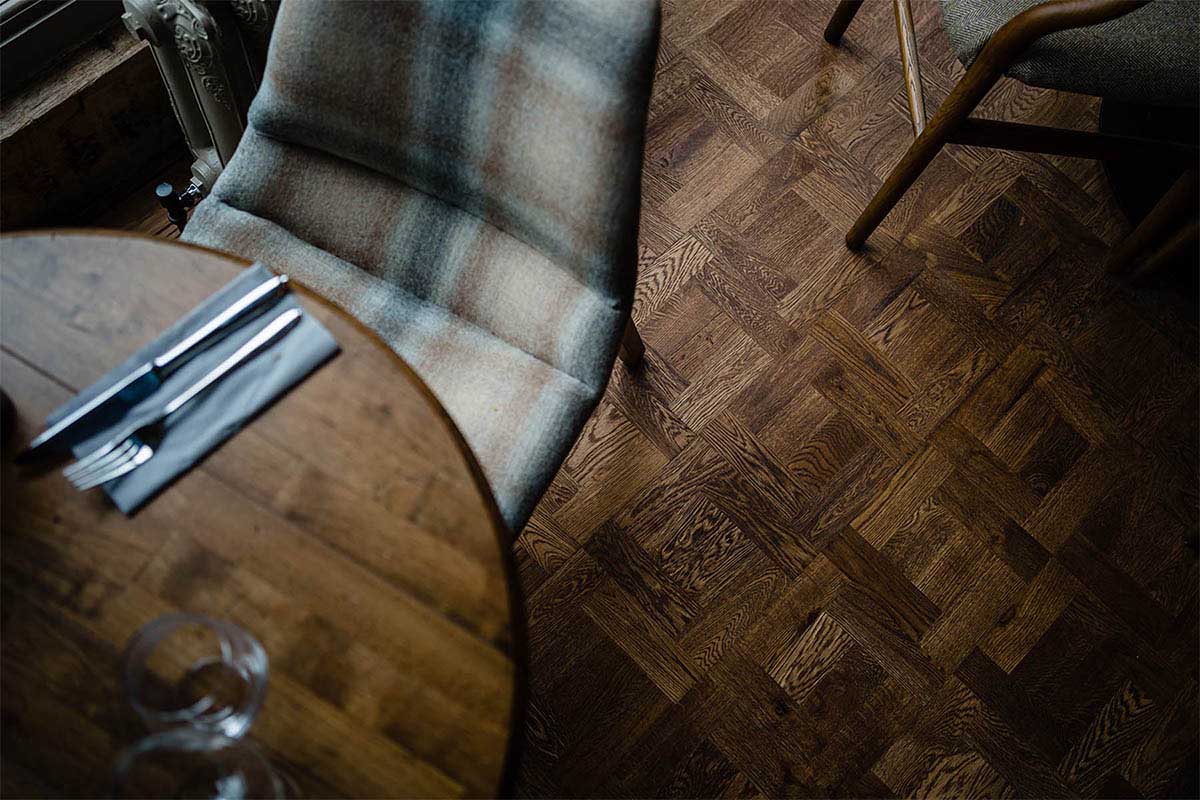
{"x": 259, "y": 342}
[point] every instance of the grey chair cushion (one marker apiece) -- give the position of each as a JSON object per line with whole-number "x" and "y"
{"x": 1151, "y": 55}
{"x": 464, "y": 178}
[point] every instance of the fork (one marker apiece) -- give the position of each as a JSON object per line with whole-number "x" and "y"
{"x": 129, "y": 450}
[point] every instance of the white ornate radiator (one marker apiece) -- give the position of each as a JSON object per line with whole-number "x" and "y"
{"x": 211, "y": 55}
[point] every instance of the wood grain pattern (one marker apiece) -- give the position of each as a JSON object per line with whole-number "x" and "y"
{"x": 346, "y": 528}
{"x": 917, "y": 520}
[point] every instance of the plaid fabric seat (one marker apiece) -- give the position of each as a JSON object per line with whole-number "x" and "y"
{"x": 464, "y": 178}
{"x": 1151, "y": 55}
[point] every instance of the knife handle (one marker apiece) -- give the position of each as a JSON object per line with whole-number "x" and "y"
{"x": 219, "y": 325}
{"x": 259, "y": 342}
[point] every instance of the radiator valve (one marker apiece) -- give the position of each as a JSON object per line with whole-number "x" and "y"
{"x": 178, "y": 203}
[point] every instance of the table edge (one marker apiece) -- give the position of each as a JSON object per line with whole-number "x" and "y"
{"x": 504, "y": 537}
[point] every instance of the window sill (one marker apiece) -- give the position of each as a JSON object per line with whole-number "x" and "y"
{"x": 79, "y": 71}
{"x": 86, "y": 131}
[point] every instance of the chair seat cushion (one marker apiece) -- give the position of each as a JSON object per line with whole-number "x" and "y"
{"x": 515, "y": 348}
{"x": 1151, "y": 55}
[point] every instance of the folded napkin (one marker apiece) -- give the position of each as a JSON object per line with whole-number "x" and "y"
{"x": 221, "y": 411}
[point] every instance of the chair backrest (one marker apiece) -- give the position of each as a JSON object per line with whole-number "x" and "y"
{"x": 529, "y": 115}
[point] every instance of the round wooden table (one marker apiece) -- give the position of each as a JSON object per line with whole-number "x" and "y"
{"x": 348, "y": 528}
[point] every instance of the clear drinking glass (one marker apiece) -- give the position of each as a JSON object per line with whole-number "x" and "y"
{"x": 187, "y": 670}
{"x": 192, "y": 763}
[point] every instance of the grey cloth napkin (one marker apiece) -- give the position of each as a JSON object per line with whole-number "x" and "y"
{"x": 220, "y": 412}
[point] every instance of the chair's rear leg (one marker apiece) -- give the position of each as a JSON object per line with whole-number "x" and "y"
{"x": 1178, "y": 246}
{"x": 632, "y": 348}
{"x": 1158, "y": 225}
{"x": 842, "y": 16}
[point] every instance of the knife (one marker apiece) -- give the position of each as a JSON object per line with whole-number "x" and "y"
{"x": 111, "y": 404}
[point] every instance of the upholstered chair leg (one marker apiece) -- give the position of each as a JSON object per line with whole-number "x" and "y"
{"x": 842, "y": 16}
{"x": 1162, "y": 221}
{"x": 632, "y": 348}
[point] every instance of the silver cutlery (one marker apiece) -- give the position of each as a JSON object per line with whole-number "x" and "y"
{"x": 133, "y": 448}
{"x": 107, "y": 408}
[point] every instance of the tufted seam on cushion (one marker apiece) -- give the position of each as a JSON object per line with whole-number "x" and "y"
{"x": 425, "y": 301}
{"x": 406, "y": 184}
{"x": 615, "y": 303}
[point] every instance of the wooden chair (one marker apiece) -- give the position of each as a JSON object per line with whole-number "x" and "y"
{"x": 1166, "y": 231}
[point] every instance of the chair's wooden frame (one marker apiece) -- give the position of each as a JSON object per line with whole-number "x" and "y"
{"x": 952, "y": 121}
{"x": 1163, "y": 236}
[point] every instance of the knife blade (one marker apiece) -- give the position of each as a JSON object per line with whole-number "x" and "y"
{"x": 110, "y": 405}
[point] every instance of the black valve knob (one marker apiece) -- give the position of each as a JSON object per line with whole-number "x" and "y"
{"x": 176, "y": 203}
{"x": 170, "y": 200}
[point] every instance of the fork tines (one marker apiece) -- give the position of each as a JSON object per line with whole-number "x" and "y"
{"x": 99, "y": 469}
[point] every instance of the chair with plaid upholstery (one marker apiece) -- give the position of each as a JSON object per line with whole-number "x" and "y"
{"x": 465, "y": 179}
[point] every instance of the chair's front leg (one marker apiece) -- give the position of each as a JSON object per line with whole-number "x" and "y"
{"x": 842, "y": 16}
{"x": 945, "y": 122}
{"x": 632, "y": 348}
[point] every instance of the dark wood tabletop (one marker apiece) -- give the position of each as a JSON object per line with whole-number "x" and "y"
{"x": 348, "y": 528}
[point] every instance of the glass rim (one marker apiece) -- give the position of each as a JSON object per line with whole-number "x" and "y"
{"x": 234, "y": 642}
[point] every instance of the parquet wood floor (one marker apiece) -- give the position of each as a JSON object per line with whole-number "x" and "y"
{"x": 916, "y": 521}
{"x": 920, "y": 520}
